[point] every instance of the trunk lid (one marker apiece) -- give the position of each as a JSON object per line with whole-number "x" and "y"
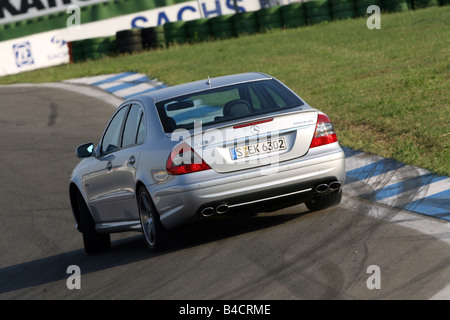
{"x": 266, "y": 140}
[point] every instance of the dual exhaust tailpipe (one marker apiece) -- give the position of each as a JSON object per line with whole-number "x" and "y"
{"x": 324, "y": 187}
{"x": 209, "y": 211}
{"x": 223, "y": 208}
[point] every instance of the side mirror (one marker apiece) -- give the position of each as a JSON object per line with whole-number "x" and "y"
{"x": 85, "y": 150}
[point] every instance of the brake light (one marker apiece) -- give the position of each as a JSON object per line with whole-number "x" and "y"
{"x": 184, "y": 160}
{"x": 252, "y": 123}
{"x": 324, "y": 133}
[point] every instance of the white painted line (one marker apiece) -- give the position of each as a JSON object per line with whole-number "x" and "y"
{"x": 138, "y": 88}
{"x": 123, "y": 80}
{"x": 444, "y": 294}
{"x": 360, "y": 160}
{"x": 90, "y": 80}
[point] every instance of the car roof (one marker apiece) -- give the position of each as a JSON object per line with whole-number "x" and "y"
{"x": 186, "y": 88}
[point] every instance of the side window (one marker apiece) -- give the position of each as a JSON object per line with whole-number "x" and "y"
{"x": 111, "y": 138}
{"x": 141, "y": 131}
{"x": 134, "y": 131}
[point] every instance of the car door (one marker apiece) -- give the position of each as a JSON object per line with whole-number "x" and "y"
{"x": 126, "y": 162}
{"x": 99, "y": 183}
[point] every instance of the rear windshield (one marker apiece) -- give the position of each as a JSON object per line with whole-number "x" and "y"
{"x": 234, "y": 102}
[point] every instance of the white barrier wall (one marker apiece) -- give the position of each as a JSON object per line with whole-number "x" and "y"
{"x": 33, "y": 52}
{"x": 17, "y": 10}
{"x": 185, "y": 11}
{"x": 50, "y": 48}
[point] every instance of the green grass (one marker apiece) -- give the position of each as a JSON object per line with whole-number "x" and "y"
{"x": 386, "y": 91}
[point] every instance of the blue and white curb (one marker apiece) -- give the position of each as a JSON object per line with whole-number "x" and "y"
{"x": 371, "y": 177}
{"x": 397, "y": 185}
{"x": 123, "y": 85}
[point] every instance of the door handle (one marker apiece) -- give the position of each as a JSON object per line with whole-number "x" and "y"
{"x": 109, "y": 165}
{"x": 131, "y": 161}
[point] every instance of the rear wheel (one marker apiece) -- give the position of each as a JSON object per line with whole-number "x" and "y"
{"x": 324, "y": 201}
{"x": 156, "y": 236}
{"x": 94, "y": 242}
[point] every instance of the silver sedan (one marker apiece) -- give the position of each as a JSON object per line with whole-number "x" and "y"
{"x": 242, "y": 143}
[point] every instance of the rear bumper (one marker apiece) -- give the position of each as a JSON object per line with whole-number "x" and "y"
{"x": 262, "y": 188}
{"x": 271, "y": 199}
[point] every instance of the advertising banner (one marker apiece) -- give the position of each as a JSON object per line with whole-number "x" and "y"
{"x": 29, "y": 53}
{"x": 189, "y": 10}
{"x": 50, "y": 48}
{"x": 16, "y": 10}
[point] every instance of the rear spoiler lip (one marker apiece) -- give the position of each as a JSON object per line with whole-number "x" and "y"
{"x": 261, "y": 117}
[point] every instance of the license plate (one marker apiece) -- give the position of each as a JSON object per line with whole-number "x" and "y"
{"x": 258, "y": 148}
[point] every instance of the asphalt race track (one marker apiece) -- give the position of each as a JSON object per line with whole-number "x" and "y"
{"x": 289, "y": 254}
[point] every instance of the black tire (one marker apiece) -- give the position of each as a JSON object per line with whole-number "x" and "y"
{"x": 131, "y": 48}
{"x": 155, "y": 234}
{"x": 122, "y": 34}
{"x": 153, "y": 37}
{"x": 94, "y": 242}
{"x": 129, "y": 41}
{"x": 324, "y": 201}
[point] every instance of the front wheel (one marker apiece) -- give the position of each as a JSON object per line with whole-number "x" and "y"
{"x": 156, "y": 236}
{"x": 324, "y": 201}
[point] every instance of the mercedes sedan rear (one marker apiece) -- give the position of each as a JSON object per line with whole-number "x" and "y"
{"x": 242, "y": 143}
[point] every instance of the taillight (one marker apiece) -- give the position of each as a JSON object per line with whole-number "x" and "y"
{"x": 184, "y": 160}
{"x": 325, "y": 133}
